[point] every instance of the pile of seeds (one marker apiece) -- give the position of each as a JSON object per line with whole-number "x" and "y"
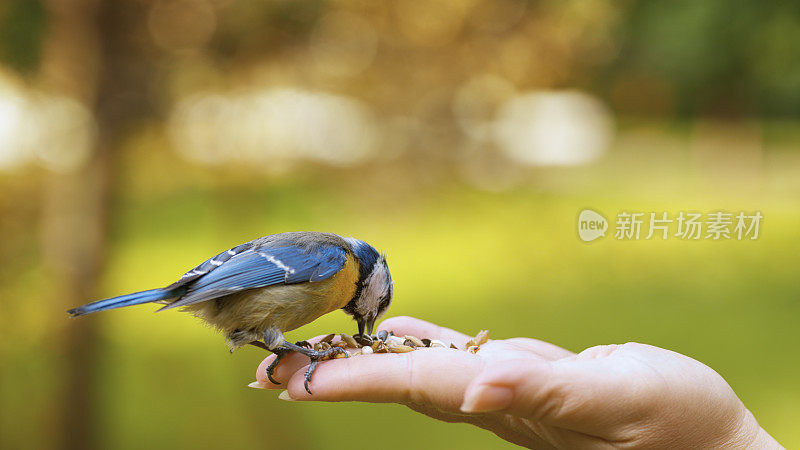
{"x": 386, "y": 342}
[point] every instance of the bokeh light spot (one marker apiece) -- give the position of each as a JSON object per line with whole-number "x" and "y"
{"x": 554, "y": 128}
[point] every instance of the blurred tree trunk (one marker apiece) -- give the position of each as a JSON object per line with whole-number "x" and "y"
{"x": 93, "y": 52}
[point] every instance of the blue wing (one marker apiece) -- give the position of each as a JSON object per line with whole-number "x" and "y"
{"x": 258, "y": 267}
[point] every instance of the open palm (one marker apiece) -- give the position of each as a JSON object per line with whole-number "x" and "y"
{"x": 539, "y": 395}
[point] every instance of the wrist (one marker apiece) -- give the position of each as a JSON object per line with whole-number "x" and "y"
{"x": 751, "y": 435}
{"x": 764, "y": 440}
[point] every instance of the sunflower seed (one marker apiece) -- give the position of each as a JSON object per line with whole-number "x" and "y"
{"x": 363, "y": 339}
{"x": 395, "y": 340}
{"x": 383, "y": 335}
{"x": 415, "y": 340}
{"x": 349, "y": 341}
{"x": 395, "y": 348}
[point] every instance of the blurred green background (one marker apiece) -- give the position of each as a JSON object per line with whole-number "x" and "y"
{"x": 138, "y": 137}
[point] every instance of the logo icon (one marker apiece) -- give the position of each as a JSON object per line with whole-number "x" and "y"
{"x": 591, "y": 225}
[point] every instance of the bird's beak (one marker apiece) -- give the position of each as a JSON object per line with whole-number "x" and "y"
{"x": 366, "y": 322}
{"x": 361, "y": 322}
{"x": 370, "y": 324}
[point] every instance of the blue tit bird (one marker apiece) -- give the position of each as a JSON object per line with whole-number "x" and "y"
{"x": 260, "y": 289}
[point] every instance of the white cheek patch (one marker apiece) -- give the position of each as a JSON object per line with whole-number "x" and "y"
{"x": 374, "y": 287}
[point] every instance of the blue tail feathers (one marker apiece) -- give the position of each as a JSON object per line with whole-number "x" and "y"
{"x": 137, "y": 298}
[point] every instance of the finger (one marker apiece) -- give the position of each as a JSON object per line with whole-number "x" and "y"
{"x": 409, "y": 325}
{"x": 435, "y": 377}
{"x": 445, "y": 416}
{"x": 544, "y": 349}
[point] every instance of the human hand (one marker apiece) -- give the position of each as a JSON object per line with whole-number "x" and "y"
{"x": 536, "y": 394}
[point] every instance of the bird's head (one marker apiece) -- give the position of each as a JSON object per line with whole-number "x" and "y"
{"x": 374, "y": 289}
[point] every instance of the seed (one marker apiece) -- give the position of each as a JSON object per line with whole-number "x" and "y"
{"x": 322, "y": 346}
{"x": 379, "y": 347}
{"x": 453, "y": 346}
{"x": 473, "y": 349}
{"x": 328, "y": 338}
{"x": 481, "y": 337}
{"x": 437, "y": 343}
{"x": 363, "y": 339}
{"x": 395, "y": 339}
{"x": 382, "y": 348}
{"x": 426, "y": 342}
{"x": 349, "y": 341}
{"x": 340, "y": 344}
{"x": 366, "y": 350}
{"x": 417, "y": 342}
{"x": 383, "y": 335}
{"x": 339, "y": 355}
{"x": 393, "y": 348}
{"x": 410, "y": 343}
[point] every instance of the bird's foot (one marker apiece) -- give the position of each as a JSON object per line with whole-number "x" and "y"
{"x": 279, "y": 355}
{"x": 323, "y": 355}
{"x": 311, "y": 368}
{"x": 259, "y": 344}
{"x": 316, "y": 356}
{"x": 279, "y": 352}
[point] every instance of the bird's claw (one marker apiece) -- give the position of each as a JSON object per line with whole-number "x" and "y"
{"x": 311, "y": 368}
{"x": 271, "y": 367}
{"x": 314, "y": 355}
{"x": 315, "y": 359}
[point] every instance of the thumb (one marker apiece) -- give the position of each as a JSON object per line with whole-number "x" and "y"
{"x": 568, "y": 392}
{"x": 514, "y": 387}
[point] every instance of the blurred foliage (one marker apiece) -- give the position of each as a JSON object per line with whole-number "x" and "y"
{"x": 719, "y": 57}
{"x": 712, "y": 57}
{"x": 22, "y": 23}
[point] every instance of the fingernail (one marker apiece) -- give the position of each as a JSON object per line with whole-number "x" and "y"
{"x": 257, "y": 385}
{"x": 487, "y": 398}
{"x": 284, "y": 395}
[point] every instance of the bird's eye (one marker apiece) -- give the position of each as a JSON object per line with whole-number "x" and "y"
{"x": 384, "y": 303}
